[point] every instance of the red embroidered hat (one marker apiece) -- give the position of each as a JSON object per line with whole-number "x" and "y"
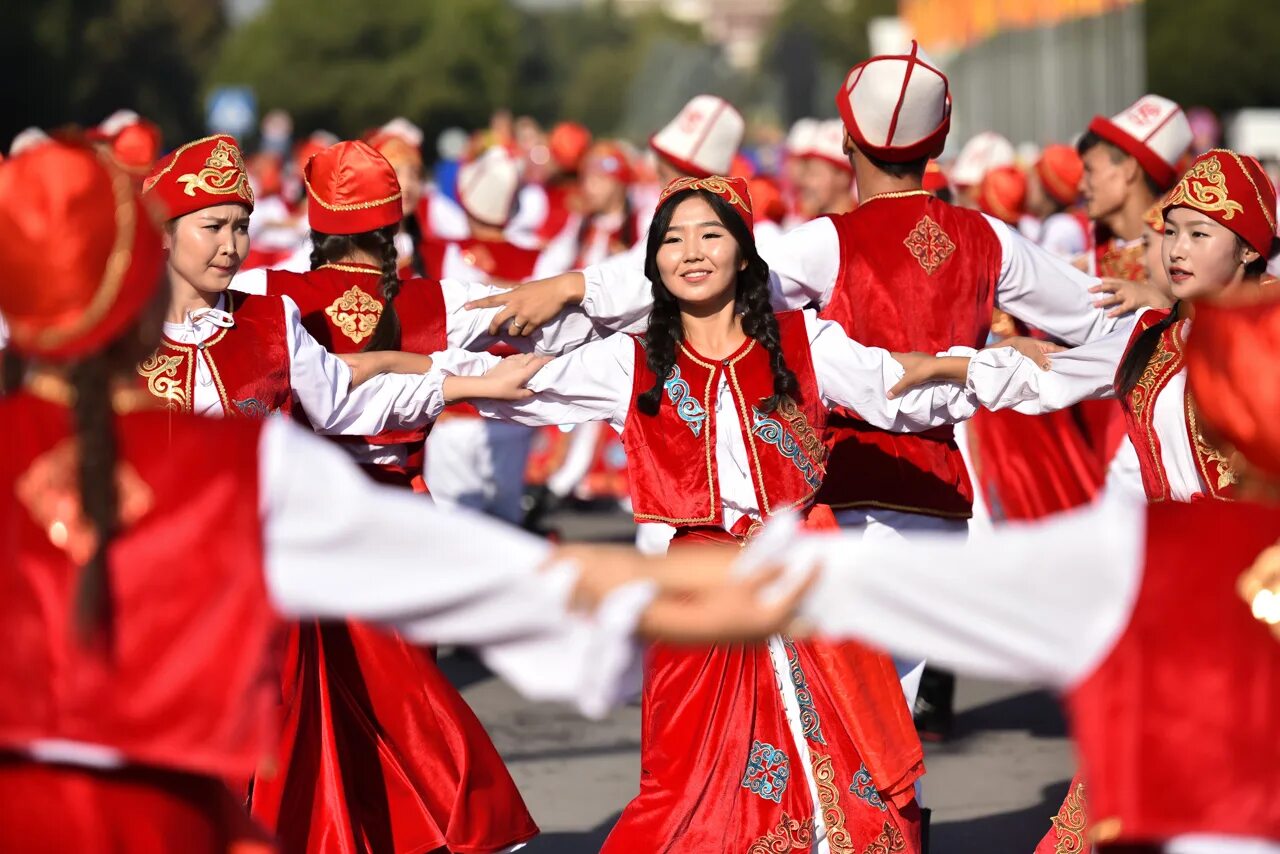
{"x": 732, "y": 190}
{"x": 1003, "y": 193}
{"x": 351, "y": 189}
{"x": 1059, "y": 170}
{"x": 1232, "y": 190}
{"x": 82, "y": 255}
{"x": 1154, "y": 131}
{"x": 198, "y": 175}
{"x": 1233, "y": 374}
{"x": 896, "y": 107}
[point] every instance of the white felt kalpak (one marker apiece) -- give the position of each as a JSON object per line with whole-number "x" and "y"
{"x": 896, "y": 107}
{"x": 703, "y": 137}
{"x": 979, "y": 156}
{"x": 487, "y": 186}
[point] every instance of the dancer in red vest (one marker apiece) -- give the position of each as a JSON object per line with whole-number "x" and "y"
{"x": 144, "y": 604}
{"x": 721, "y": 407}
{"x": 379, "y": 748}
{"x": 1164, "y": 642}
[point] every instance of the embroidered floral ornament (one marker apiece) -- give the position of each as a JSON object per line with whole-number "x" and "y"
{"x": 732, "y": 190}
{"x": 1232, "y": 190}
{"x": 200, "y": 174}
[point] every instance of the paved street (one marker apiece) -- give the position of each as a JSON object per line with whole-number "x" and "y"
{"x": 992, "y": 787}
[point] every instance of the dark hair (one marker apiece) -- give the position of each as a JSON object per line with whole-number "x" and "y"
{"x": 1091, "y": 140}
{"x": 666, "y": 329}
{"x": 1137, "y": 358}
{"x": 909, "y": 168}
{"x": 94, "y": 422}
{"x": 1257, "y": 268}
{"x": 413, "y": 229}
{"x": 15, "y": 368}
{"x": 628, "y": 234}
{"x": 380, "y": 243}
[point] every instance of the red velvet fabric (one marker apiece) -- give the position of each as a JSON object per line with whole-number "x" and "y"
{"x": 671, "y": 456}
{"x": 720, "y": 767}
{"x": 915, "y": 274}
{"x": 46, "y": 808}
{"x": 498, "y": 260}
{"x": 1166, "y": 362}
{"x": 337, "y": 304}
{"x": 250, "y": 362}
{"x": 186, "y": 683}
{"x": 381, "y": 753}
{"x": 1176, "y": 726}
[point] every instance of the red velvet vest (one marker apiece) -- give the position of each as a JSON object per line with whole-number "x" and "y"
{"x": 1176, "y": 728}
{"x": 249, "y": 361}
{"x": 671, "y": 457}
{"x": 1167, "y": 361}
{"x": 1115, "y": 261}
{"x": 498, "y": 260}
{"x": 340, "y": 306}
{"x": 915, "y": 274}
{"x": 186, "y": 680}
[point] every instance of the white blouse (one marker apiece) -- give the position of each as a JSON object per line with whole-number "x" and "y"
{"x": 594, "y": 383}
{"x": 1034, "y": 285}
{"x": 1002, "y": 378}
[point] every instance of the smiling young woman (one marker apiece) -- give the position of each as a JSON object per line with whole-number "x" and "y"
{"x": 721, "y": 405}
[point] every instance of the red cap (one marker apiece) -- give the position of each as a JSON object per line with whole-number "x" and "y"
{"x": 199, "y": 175}
{"x": 896, "y": 107}
{"x": 568, "y": 143}
{"x": 1233, "y": 374}
{"x": 934, "y": 178}
{"x": 1232, "y": 190}
{"x": 732, "y": 190}
{"x": 1003, "y": 193}
{"x": 82, "y": 254}
{"x": 609, "y": 158}
{"x": 351, "y": 189}
{"x": 766, "y": 197}
{"x": 1059, "y": 170}
{"x": 395, "y": 148}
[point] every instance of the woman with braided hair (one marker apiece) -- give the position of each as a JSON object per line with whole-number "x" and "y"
{"x": 721, "y": 405}
{"x": 151, "y": 556}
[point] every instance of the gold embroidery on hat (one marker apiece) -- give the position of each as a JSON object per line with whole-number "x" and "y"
{"x": 929, "y": 244}
{"x": 223, "y": 174}
{"x": 161, "y": 373}
{"x": 714, "y": 184}
{"x": 355, "y": 313}
{"x": 1204, "y": 188}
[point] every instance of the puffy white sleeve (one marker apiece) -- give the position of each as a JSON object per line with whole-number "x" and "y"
{"x": 804, "y": 263}
{"x": 338, "y": 545}
{"x": 469, "y": 328}
{"x": 1002, "y": 378}
{"x": 858, "y": 377}
{"x": 618, "y": 295}
{"x": 1045, "y": 291}
{"x": 322, "y": 386}
{"x": 1041, "y": 601}
{"x": 250, "y": 281}
{"x": 593, "y": 383}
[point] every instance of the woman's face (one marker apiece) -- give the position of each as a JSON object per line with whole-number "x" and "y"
{"x": 409, "y": 175}
{"x": 1153, "y": 260}
{"x": 698, "y": 258}
{"x": 1201, "y": 257}
{"x": 602, "y": 192}
{"x": 206, "y": 247}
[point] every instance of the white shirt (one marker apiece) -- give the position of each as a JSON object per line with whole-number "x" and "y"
{"x": 1002, "y": 378}
{"x": 1062, "y": 235}
{"x": 1033, "y": 285}
{"x": 594, "y": 383}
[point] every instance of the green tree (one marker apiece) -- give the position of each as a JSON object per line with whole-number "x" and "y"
{"x": 1220, "y": 54}
{"x": 348, "y": 65}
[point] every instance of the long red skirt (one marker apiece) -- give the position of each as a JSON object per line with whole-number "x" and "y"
{"x": 56, "y": 808}
{"x": 381, "y": 754}
{"x": 721, "y": 770}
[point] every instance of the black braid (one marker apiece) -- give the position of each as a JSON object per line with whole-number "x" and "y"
{"x": 332, "y": 248}
{"x": 1139, "y": 356}
{"x": 413, "y": 228}
{"x": 95, "y": 435}
{"x": 666, "y": 330}
{"x": 15, "y": 368}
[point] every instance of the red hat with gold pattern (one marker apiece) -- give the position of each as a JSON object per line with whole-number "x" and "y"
{"x": 1234, "y": 191}
{"x": 1059, "y": 170}
{"x": 1003, "y": 193}
{"x": 199, "y": 175}
{"x": 732, "y": 190}
{"x": 82, "y": 255}
{"x": 351, "y": 189}
{"x": 1154, "y": 131}
{"x": 896, "y": 107}
{"x": 1233, "y": 373}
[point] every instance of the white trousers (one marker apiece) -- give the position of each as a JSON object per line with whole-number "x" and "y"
{"x": 478, "y": 464}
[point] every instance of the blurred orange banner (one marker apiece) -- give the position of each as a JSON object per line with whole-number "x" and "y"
{"x": 949, "y": 24}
